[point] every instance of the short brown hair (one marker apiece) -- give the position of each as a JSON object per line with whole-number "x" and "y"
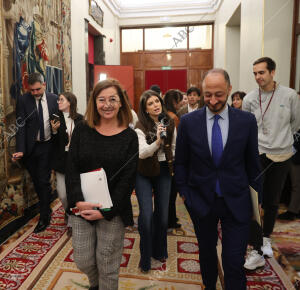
{"x": 271, "y": 65}
{"x": 92, "y": 116}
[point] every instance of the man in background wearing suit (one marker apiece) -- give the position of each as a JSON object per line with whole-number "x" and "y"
{"x": 215, "y": 162}
{"x": 195, "y": 101}
{"x": 33, "y": 140}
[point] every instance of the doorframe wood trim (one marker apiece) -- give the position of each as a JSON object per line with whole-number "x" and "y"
{"x": 296, "y": 32}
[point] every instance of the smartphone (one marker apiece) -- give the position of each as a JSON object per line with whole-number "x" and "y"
{"x": 55, "y": 118}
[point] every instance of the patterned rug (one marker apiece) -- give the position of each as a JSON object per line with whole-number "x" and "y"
{"x": 271, "y": 276}
{"x": 45, "y": 261}
{"x": 25, "y": 257}
{"x": 286, "y": 237}
{"x": 179, "y": 272}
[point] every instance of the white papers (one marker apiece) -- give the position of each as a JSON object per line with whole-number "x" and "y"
{"x": 95, "y": 188}
{"x": 254, "y": 199}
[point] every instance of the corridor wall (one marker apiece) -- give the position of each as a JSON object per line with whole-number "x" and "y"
{"x": 111, "y": 44}
{"x": 265, "y": 30}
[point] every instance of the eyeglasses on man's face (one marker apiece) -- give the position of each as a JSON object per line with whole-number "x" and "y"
{"x": 113, "y": 100}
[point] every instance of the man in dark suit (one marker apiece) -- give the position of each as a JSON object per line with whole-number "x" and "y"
{"x": 215, "y": 162}
{"x": 33, "y": 140}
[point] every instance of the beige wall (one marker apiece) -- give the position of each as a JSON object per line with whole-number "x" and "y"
{"x": 278, "y": 36}
{"x": 222, "y": 17}
{"x": 250, "y": 40}
{"x": 266, "y": 30}
{"x": 80, "y": 11}
{"x": 233, "y": 55}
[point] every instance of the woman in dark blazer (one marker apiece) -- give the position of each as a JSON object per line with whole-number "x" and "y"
{"x": 63, "y": 129}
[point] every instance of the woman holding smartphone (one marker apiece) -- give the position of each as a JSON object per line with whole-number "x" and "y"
{"x": 63, "y": 125}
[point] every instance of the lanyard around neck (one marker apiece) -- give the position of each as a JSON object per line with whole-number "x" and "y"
{"x": 263, "y": 113}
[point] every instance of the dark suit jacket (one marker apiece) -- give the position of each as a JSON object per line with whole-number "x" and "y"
{"x": 60, "y": 140}
{"x": 27, "y": 120}
{"x": 196, "y": 174}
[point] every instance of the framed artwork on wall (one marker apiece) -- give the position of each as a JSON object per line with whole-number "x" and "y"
{"x": 96, "y": 12}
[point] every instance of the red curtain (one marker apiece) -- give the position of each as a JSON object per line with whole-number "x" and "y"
{"x": 167, "y": 79}
{"x": 91, "y": 49}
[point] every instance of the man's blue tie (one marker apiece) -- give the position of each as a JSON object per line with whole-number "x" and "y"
{"x": 217, "y": 147}
{"x": 41, "y": 121}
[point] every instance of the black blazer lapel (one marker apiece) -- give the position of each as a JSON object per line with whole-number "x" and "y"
{"x": 33, "y": 107}
{"x": 50, "y": 105}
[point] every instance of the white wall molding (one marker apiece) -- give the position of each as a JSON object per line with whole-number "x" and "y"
{"x": 151, "y": 8}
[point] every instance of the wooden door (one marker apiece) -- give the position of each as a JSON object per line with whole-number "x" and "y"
{"x": 166, "y": 79}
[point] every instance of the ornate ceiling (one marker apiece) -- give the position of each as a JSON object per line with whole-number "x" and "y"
{"x": 149, "y": 8}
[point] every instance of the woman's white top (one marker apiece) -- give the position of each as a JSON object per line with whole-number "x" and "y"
{"x": 70, "y": 127}
{"x": 147, "y": 150}
{"x": 134, "y": 119}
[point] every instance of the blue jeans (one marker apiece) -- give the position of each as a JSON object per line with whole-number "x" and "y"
{"x": 153, "y": 225}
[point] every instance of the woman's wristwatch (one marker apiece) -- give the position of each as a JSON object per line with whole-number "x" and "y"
{"x": 75, "y": 210}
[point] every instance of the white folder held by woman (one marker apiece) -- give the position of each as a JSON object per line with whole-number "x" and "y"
{"x": 94, "y": 187}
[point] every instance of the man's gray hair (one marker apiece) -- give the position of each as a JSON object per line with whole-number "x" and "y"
{"x": 35, "y": 78}
{"x": 218, "y": 71}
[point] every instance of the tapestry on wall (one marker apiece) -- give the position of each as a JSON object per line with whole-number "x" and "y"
{"x": 34, "y": 34}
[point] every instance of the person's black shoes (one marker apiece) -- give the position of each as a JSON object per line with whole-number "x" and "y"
{"x": 288, "y": 216}
{"x": 94, "y": 288}
{"x": 42, "y": 224}
{"x": 144, "y": 270}
{"x": 174, "y": 226}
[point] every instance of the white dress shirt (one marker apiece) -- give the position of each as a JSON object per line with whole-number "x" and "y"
{"x": 70, "y": 127}
{"x": 47, "y": 129}
{"x": 190, "y": 109}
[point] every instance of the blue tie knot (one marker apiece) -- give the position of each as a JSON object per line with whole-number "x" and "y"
{"x": 217, "y": 117}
